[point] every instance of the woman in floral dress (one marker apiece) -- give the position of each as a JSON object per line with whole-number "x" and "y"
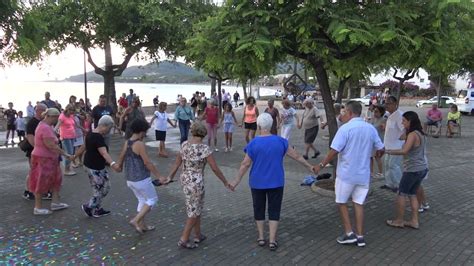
{"x": 194, "y": 156}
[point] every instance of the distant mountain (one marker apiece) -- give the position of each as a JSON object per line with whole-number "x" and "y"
{"x": 162, "y": 72}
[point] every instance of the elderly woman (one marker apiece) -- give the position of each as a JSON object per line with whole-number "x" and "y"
{"x": 67, "y": 132}
{"x": 265, "y": 155}
{"x": 310, "y": 123}
{"x": 95, "y": 160}
{"x": 183, "y": 116}
{"x": 288, "y": 118}
{"x": 45, "y": 174}
{"x": 275, "y": 115}
{"x": 194, "y": 155}
{"x": 211, "y": 115}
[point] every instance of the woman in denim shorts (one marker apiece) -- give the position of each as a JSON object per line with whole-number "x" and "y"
{"x": 416, "y": 168}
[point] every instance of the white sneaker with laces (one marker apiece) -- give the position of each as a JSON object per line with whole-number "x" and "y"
{"x": 58, "y": 206}
{"x": 41, "y": 211}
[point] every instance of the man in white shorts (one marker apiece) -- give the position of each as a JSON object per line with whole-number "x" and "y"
{"x": 354, "y": 143}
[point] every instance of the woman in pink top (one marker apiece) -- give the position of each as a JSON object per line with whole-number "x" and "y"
{"x": 211, "y": 114}
{"x": 250, "y": 118}
{"x": 45, "y": 174}
{"x": 67, "y": 133}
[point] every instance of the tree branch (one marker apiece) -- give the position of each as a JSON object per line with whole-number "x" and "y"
{"x": 97, "y": 69}
{"x": 118, "y": 69}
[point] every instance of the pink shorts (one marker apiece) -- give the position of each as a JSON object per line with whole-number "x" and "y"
{"x": 211, "y": 130}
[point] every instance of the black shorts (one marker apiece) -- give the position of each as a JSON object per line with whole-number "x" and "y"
{"x": 251, "y": 126}
{"x": 310, "y": 134}
{"x": 11, "y": 127}
{"x": 410, "y": 182}
{"x": 160, "y": 135}
{"x": 20, "y": 133}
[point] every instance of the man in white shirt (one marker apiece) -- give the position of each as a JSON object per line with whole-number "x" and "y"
{"x": 354, "y": 144}
{"x": 394, "y": 129}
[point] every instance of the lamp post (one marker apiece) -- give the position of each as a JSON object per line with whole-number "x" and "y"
{"x": 85, "y": 81}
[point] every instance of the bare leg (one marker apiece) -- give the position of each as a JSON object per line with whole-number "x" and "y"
{"x": 197, "y": 227}
{"x": 260, "y": 225}
{"x": 38, "y": 204}
{"x": 359, "y": 219}
{"x": 226, "y": 140}
{"x": 188, "y": 227}
{"x": 346, "y": 222}
{"x": 55, "y": 197}
{"x": 247, "y": 135}
{"x": 379, "y": 164}
{"x": 273, "y": 225}
{"x": 138, "y": 220}
{"x": 414, "y": 210}
{"x": 215, "y": 136}
{"x": 252, "y": 134}
{"x": 420, "y": 195}
{"x": 230, "y": 140}
{"x": 400, "y": 209}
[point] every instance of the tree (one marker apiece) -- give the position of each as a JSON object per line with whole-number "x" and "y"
{"x": 141, "y": 28}
{"x": 9, "y": 16}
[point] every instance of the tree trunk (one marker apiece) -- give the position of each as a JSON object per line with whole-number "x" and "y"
{"x": 213, "y": 86}
{"x": 109, "y": 78}
{"x": 438, "y": 91}
{"x": 340, "y": 89}
{"x": 219, "y": 95}
{"x": 323, "y": 81}
{"x": 244, "y": 88}
{"x": 399, "y": 89}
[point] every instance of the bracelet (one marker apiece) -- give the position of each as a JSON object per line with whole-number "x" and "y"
{"x": 112, "y": 163}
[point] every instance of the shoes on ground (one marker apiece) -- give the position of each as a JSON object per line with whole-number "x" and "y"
{"x": 58, "y": 206}
{"x": 28, "y": 195}
{"x": 100, "y": 212}
{"x": 87, "y": 210}
{"x": 347, "y": 239}
{"x": 41, "y": 211}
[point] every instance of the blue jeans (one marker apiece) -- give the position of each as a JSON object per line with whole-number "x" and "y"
{"x": 392, "y": 170}
{"x": 184, "y": 126}
{"x": 68, "y": 146}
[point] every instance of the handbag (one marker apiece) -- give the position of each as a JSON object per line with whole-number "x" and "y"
{"x": 25, "y": 145}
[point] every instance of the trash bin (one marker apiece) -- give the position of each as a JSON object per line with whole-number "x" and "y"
{"x": 443, "y": 103}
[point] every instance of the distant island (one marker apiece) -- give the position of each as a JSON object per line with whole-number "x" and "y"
{"x": 162, "y": 72}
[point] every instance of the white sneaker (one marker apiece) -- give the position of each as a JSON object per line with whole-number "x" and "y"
{"x": 225, "y": 149}
{"x": 69, "y": 173}
{"x": 230, "y": 149}
{"x": 41, "y": 211}
{"x": 216, "y": 150}
{"x": 58, "y": 206}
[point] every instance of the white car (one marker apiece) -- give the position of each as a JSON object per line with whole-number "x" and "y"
{"x": 363, "y": 100}
{"x": 449, "y": 100}
{"x": 465, "y": 101}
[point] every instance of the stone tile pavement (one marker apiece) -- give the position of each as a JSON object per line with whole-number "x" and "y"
{"x": 309, "y": 225}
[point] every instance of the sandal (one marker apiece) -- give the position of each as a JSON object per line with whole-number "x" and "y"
{"x": 136, "y": 226}
{"x": 149, "y": 228}
{"x": 187, "y": 244}
{"x": 199, "y": 239}
{"x": 392, "y": 224}
{"x": 273, "y": 246}
{"x": 261, "y": 242}
{"x": 411, "y": 225}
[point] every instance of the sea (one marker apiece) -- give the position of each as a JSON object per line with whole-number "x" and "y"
{"x": 20, "y": 92}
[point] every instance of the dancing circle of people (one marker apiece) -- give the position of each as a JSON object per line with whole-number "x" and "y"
{"x": 84, "y": 135}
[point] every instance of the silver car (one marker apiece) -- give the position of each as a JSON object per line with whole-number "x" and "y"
{"x": 449, "y": 100}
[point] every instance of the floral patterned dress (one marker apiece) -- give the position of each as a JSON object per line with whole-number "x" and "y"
{"x": 194, "y": 161}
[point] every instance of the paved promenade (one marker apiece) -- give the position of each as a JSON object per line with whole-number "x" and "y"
{"x": 307, "y": 235}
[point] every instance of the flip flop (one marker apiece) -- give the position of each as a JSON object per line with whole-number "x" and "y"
{"x": 149, "y": 228}
{"x": 261, "y": 242}
{"x": 273, "y": 246}
{"x": 199, "y": 239}
{"x": 412, "y": 226}
{"x": 392, "y": 224}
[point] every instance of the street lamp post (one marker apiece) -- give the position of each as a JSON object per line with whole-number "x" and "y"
{"x": 85, "y": 80}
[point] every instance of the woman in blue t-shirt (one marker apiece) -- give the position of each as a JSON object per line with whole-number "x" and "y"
{"x": 265, "y": 155}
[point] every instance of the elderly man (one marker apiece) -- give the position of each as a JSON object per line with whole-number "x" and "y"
{"x": 310, "y": 121}
{"x": 354, "y": 143}
{"x": 394, "y": 129}
{"x": 48, "y": 102}
{"x": 433, "y": 118}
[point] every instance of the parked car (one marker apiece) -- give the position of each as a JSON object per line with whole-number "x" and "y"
{"x": 449, "y": 100}
{"x": 465, "y": 101}
{"x": 363, "y": 100}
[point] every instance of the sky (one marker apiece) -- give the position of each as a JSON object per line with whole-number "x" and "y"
{"x": 58, "y": 67}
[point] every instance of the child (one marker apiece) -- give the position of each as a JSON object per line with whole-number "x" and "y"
{"x": 20, "y": 125}
{"x": 160, "y": 127}
{"x": 229, "y": 119}
{"x": 378, "y": 121}
{"x": 137, "y": 171}
{"x": 11, "y": 115}
{"x": 370, "y": 112}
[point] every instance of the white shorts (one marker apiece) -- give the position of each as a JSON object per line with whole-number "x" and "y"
{"x": 145, "y": 192}
{"x": 344, "y": 190}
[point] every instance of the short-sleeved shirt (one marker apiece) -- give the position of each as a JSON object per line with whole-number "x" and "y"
{"x": 454, "y": 116}
{"x": 212, "y": 115}
{"x": 77, "y": 130}
{"x": 183, "y": 113}
{"x": 11, "y": 116}
{"x": 161, "y": 121}
{"x": 100, "y": 111}
{"x": 42, "y": 132}
{"x": 50, "y": 103}
{"x": 288, "y": 116}
{"x": 355, "y": 142}
{"x": 435, "y": 114}
{"x": 267, "y": 154}
{"x": 67, "y": 129}
{"x": 310, "y": 118}
{"x": 30, "y": 130}
{"x": 393, "y": 130}
{"x": 93, "y": 159}
{"x": 20, "y": 124}
{"x": 30, "y": 111}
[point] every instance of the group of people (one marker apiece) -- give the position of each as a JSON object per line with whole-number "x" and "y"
{"x": 355, "y": 143}
{"x": 434, "y": 118}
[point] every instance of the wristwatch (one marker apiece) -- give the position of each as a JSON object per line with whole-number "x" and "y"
{"x": 321, "y": 165}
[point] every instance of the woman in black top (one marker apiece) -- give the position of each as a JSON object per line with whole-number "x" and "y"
{"x": 95, "y": 160}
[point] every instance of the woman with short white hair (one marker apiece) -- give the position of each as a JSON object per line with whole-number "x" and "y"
{"x": 265, "y": 154}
